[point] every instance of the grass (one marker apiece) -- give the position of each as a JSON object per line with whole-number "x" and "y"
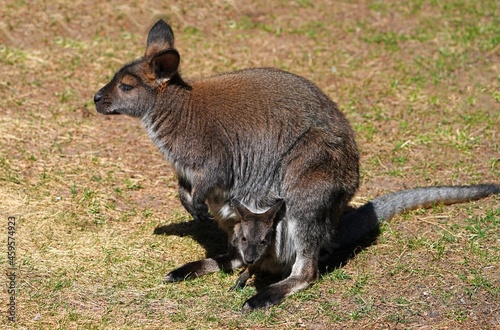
{"x": 418, "y": 80}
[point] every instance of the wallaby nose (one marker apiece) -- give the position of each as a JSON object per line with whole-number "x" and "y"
{"x": 97, "y": 97}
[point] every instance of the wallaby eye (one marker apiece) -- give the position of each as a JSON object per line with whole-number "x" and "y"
{"x": 125, "y": 87}
{"x": 243, "y": 239}
{"x": 263, "y": 243}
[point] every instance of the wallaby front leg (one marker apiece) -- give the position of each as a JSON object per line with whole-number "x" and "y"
{"x": 186, "y": 198}
{"x": 193, "y": 201}
{"x": 200, "y": 206}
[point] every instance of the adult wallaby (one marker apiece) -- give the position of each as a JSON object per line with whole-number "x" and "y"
{"x": 245, "y": 135}
{"x": 248, "y": 133}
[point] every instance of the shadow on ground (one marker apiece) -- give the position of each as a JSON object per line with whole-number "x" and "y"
{"x": 206, "y": 233}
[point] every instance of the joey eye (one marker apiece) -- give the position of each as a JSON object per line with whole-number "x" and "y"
{"x": 263, "y": 243}
{"x": 125, "y": 87}
{"x": 243, "y": 239}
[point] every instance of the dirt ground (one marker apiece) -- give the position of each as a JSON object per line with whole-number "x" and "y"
{"x": 419, "y": 81}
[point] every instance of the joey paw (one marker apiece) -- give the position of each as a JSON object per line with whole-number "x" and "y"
{"x": 241, "y": 281}
{"x": 237, "y": 286}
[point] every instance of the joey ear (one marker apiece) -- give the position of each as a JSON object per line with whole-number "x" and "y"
{"x": 240, "y": 208}
{"x": 160, "y": 38}
{"x": 165, "y": 64}
{"x": 275, "y": 209}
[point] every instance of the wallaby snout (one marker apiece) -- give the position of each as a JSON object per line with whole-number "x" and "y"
{"x": 97, "y": 97}
{"x": 253, "y": 241}
{"x": 99, "y": 104}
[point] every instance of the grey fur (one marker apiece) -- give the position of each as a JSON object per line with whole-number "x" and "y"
{"x": 247, "y": 134}
{"x": 254, "y": 237}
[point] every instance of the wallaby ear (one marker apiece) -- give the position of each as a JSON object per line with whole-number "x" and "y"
{"x": 165, "y": 64}
{"x": 160, "y": 38}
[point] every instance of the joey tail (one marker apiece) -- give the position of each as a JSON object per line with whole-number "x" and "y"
{"x": 357, "y": 223}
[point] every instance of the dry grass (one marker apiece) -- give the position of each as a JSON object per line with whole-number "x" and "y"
{"x": 419, "y": 80}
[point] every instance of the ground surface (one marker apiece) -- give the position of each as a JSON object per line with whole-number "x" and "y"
{"x": 419, "y": 80}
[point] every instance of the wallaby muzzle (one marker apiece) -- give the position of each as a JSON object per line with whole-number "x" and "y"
{"x": 99, "y": 104}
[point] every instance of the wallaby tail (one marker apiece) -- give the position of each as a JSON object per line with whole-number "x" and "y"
{"x": 361, "y": 221}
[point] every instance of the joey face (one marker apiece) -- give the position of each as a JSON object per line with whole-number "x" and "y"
{"x": 252, "y": 239}
{"x": 125, "y": 94}
{"x": 254, "y": 232}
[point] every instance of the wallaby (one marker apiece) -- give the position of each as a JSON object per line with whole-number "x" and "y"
{"x": 254, "y": 233}
{"x": 255, "y": 132}
{"x": 245, "y": 135}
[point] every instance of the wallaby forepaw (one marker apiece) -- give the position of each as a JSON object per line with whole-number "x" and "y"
{"x": 241, "y": 281}
{"x": 235, "y": 287}
{"x": 203, "y": 217}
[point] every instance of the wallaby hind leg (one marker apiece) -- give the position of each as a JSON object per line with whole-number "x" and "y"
{"x": 191, "y": 270}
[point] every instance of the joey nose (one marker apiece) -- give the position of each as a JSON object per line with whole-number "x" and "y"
{"x": 249, "y": 260}
{"x": 97, "y": 97}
